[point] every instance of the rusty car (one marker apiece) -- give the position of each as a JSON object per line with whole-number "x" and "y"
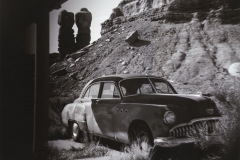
{"x": 127, "y": 107}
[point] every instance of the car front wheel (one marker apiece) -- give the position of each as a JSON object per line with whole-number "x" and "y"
{"x": 141, "y": 135}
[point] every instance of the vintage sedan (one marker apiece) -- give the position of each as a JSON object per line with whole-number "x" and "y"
{"x": 128, "y": 106}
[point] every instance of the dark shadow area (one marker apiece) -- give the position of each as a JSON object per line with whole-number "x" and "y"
{"x": 118, "y": 146}
{"x": 139, "y": 43}
{"x": 187, "y": 153}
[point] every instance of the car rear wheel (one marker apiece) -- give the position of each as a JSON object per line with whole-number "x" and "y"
{"x": 75, "y": 132}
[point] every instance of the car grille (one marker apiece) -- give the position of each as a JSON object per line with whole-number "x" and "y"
{"x": 200, "y": 127}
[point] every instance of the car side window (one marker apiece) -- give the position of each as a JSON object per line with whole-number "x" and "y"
{"x": 146, "y": 88}
{"x": 110, "y": 90}
{"x": 92, "y": 91}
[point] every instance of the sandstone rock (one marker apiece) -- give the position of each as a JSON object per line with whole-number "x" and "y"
{"x": 116, "y": 13}
{"x": 83, "y": 22}
{"x": 132, "y": 37}
{"x": 66, "y": 41}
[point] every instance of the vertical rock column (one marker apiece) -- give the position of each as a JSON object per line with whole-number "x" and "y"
{"x": 66, "y": 41}
{"x": 83, "y": 22}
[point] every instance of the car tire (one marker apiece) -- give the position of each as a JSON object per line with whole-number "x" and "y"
{"x": 75, "y": 132}
{"x": 141, "y": 133}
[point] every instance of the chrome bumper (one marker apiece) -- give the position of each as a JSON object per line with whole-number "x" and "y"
{"x": 169, "y": 142}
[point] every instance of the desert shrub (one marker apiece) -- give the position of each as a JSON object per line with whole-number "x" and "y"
{"x": 56, "y": 128}
{"x": 227, "y": 99}
{"x": 133, "y": 152}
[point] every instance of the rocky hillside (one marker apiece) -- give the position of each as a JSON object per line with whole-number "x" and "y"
{"x": 192, "y": 43}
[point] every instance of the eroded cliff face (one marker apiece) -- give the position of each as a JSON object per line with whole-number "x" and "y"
{"x": 133, "y": 7}
{"x": 191, "y": 43}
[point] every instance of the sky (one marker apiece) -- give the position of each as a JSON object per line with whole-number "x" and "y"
{"x": 100, "y": 9}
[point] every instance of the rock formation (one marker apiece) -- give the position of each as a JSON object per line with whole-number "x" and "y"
{"x": 191, "y": 43}
{"x": 66, "y": 41}
{"x": 83, "y": 22}
{"x": 116, "y": 12}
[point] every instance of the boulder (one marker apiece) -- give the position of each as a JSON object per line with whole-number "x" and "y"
{"x": 132, "y": 37}
{"x": 234, "y": 69}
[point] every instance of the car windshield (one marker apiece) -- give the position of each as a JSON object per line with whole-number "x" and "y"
{"x": 161, "y": 86}
{"x": 144, "y": 86}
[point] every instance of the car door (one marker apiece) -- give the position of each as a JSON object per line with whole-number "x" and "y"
{"x": 104, "y": 108}
{"x": 87, "y": 99}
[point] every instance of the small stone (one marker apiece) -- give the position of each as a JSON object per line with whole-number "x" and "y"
{"x": 95, "y": 68}
{"x": 60, "y": 72}
{"x": 148, "y": 68}
{"x": 124, "y": 63}
{"x": 70, "y": 60}
{"x": 108, "y": 40}
{"x": 77, "y": 59}
{"x": 132, "y": 48}
{"x": 100, "y": 45}
{"x": 115, "y": 30}
{"x": 72, "y": 65}
{"x": 78, "y": 54}
{"x": 125, "y": 72}
{"x": 128, "y": 48}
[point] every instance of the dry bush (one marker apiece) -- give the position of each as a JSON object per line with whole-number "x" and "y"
{"x": 91, "y": 149}
{"x": 227, "y": 99}
{"x": 56, "y": 128}
{"x": 228, "y": 102}
{"x": 133, "y": 152}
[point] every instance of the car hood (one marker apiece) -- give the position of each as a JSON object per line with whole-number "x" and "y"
{"x": 185, "y": 106}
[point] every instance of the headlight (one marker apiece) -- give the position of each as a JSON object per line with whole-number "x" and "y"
{"x": 169, "y": 117}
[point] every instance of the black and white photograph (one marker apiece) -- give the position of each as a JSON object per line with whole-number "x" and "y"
{"x": 120, "y": 79}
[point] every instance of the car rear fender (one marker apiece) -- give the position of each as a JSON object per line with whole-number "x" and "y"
{"x": 73, "y": 111}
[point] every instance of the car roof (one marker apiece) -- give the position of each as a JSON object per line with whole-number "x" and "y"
{"x": 118, "y": 77}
